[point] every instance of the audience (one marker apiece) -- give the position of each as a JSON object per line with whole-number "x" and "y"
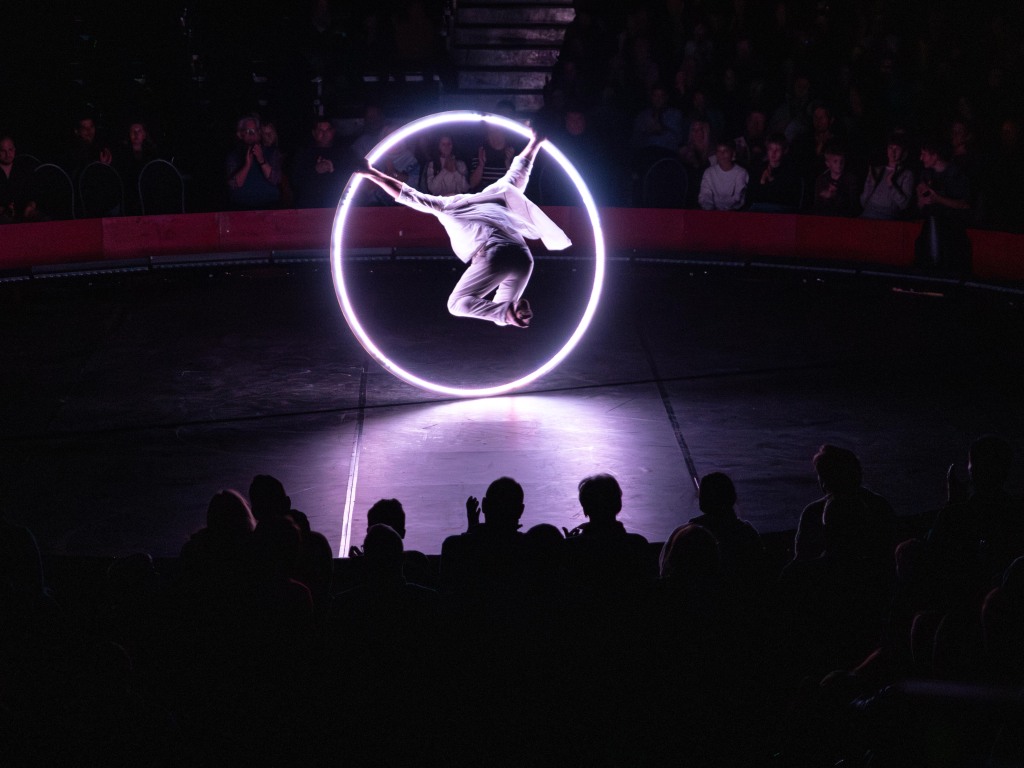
{"x": 236, "y": 651}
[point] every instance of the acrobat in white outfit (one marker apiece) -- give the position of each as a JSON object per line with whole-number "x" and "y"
{"x": 488, "y": 231}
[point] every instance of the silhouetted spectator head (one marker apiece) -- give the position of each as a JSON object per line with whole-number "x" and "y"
{"x": 988, "y": 462}
{"x": 383, "y": 551}
{"x": 387, "y": 512}
{"x": 601, "y": 497}
{"x": 228, "y": 515}
{"x": 717, "y": 495}
{"x": 690, "y": 554}
{"x": 548, "y": 541}
{"x": 268, "y": 499}
{"x": 503, "y": 504}
{"x": 838, "y": 469}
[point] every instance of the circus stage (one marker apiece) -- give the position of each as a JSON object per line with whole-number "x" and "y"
{"x": 131, "y": 396}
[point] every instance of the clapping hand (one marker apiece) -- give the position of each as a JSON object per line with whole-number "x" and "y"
{"x": 472, "y": 512}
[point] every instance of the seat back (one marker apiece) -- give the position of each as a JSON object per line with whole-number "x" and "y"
{"x": 100, "y": 191}
{"x": 53, "y": 191}
{"x": 665, "y": 184}
{"x": 161, "y": 188}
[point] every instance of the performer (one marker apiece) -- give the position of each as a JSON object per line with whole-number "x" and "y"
{"x": 488, "y": 231}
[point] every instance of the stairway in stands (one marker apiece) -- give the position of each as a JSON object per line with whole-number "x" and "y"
{"x": 505, "y": 49}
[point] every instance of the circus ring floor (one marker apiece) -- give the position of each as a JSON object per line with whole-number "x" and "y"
{"x": 132, "y": 394}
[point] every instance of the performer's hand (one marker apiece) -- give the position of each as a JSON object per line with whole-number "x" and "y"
{"x": 257, "y": 153}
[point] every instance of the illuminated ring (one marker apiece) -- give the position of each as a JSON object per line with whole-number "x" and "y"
{"x": 347, "y": 196}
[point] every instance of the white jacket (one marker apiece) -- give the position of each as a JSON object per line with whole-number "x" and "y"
{"x": 470, "y": 219}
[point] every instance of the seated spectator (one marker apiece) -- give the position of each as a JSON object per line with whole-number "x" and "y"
{"x": 446, "y": 173}
{"x": 657, "y": 130}
{"x": 840, "y": 474}
{"x": 776, "y": 185}
{"x": 493, "y": 158}
{"x": 15, "y": 184}
{"x": 961, "y": 150}
{"x": 723, "y": 186}
{"x": 390, "y": 512}
{"x": 701, "y": 109}
{"x": 89, "y": 145}
{"x": 751, "y": 147}
{"x": 488, "y": 562}
{"x": 382, "y": 640}
{"x": 809, "y": 148}
{"x": 831, "y": 611}
{"x": 1002, "y": 618}
{"x": 1000, "y": 193}
{"x": 369, "y": 136}
{"x": 943, "y": 198}
{"x": 836, "y": 191}
{"x": 889, "y": 189}
{"x": 270, "y": 139}
{"x": 129, "y": 160}
{"x": 696, "y": 155}
{"x": 321, "y": 169}
{"x": 980, "y": 531}
{"x": 606, "y": 562}
{"x": 739, "y": 544}
{"x": 215, "y": 564}
{"x": 253, "y": 172}
{"x": 400, "y": 162}
{"x": 605, "y": 171}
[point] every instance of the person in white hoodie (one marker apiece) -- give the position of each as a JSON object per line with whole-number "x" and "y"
{"x": 723, "y": 187}
{"x": 487, "y": 230}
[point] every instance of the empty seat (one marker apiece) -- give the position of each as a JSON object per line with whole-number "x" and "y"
{"x": 100, "y": 191}
{"x": 161, "y": 188}
{"x": 53, "y": 191}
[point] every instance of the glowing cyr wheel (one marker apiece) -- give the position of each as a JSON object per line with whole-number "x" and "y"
{"x": 337, "y": 254}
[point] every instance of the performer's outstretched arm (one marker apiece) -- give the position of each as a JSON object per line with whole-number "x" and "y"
{"x": 390, "y": 185}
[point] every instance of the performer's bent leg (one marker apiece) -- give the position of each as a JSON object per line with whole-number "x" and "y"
{"x": 507, "y": 269}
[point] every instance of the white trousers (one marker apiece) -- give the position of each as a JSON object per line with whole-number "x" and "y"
{"x": 504, "y": 269}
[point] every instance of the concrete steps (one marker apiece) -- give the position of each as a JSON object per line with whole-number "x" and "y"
{"x": 505, "y": 50}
